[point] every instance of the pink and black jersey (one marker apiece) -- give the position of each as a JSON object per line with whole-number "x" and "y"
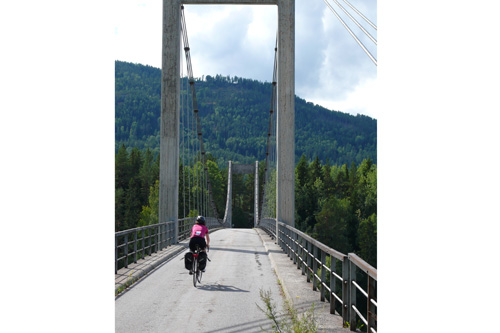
{"x": 199, "y": 231}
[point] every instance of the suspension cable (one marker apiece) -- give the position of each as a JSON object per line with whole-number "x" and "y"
{"x": 203, "y": 157}
{"x": 360, "y": 14}
{"x": 183, "y": 153}
{"x": 356, "y": 22}
{"x": 191, "y": 162}
{"x": 269, "y": 135}
{"x": 352, "y": 33}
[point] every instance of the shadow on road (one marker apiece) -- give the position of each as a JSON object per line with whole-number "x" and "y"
{"x": 243, "y": 251}
{"x": 221, "y": 287}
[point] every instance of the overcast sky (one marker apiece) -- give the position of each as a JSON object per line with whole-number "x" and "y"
{"x": 331, "y": 69}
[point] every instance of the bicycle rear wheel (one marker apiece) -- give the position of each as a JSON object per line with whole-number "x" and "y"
{"x": 200, "y": 273}
{"x": 195, "y": 270}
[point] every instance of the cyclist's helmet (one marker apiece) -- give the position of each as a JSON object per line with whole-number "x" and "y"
{"x": 201, "y": 220}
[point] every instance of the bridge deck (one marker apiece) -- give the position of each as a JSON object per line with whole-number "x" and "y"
{"x": 243, "y": 262}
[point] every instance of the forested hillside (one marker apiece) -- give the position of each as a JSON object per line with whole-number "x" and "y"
{"x": 234, "y": 116}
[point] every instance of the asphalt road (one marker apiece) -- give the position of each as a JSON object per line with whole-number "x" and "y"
{"x": 226, "y": 300}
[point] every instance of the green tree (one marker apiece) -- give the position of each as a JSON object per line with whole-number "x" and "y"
{"x": 122, "y": 178}
{"x": 149, "y": 171}
{"x": 122, "y": 172}
{"x": 315, "y": 170}
{"x": 218, "y": 185}
{"x": 332, "y": 221}
{"x": 149, "y": 214}
{"x": 301, "y": 171}
{"x": 368, "y": 240}
{"x": 133, "y": 204}
{"x": 119, "y": 209}
{"x": 328, "y": 181}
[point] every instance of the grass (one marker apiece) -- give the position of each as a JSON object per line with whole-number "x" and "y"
{"x": 292, "y": 322}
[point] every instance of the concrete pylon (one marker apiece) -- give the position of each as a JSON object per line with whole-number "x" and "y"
{"x": 285, "y": 129}
{"x": 228, "y": 214}
{"x": 256, "y": 196}
{"x": 169, "y": 128}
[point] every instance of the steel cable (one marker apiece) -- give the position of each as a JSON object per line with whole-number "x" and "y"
{"x": 360, "y": 14}
{"x": 356, "y": 22}
{"x": 202, "y": 155}
{"x": 265, "y": 209}
{"x": 351, "y": 33}
{"x": 182, "y": 120}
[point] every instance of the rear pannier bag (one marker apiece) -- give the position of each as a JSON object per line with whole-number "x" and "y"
{"x": 202, "y": 259}
{"x": 188, "y": 260}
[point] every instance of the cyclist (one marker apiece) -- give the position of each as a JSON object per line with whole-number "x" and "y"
{"x": 198, "y": 234}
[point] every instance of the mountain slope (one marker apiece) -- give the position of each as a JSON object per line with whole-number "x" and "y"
{"x": 234, "y": 117}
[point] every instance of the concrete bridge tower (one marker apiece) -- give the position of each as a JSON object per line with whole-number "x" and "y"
{"x": 170, "y": 105}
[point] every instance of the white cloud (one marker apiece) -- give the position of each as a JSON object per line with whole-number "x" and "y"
{"x": 239, "y": 40}
{"x": 361, "y": 100}
{"x": 232, "y": 40}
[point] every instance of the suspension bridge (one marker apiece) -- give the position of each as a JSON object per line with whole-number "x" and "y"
{"x": 154, "y": 291}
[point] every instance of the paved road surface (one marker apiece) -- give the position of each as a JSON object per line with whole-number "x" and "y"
{"x": 226, "y": 300}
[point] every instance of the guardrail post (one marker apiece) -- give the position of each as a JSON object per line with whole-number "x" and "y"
{"x": 116, "y": 254}
{"x": 172, "y": 236}
{"x": 345, "y": 290}
{"x": 164, "y": 234}
{"x": 126, "y": 250}
{"x": 280, "y": 236}
{"x": 150, "y": 234}
{"x": 370, "y": 311}
{"x": 323, "y": 280}
{"x": 303, "y": 244}
{"x": 135, "y": 247}
{"x": 143, "y": 248}
{"x": 333, "y": 281}
{"x": 277, "y": 235}
{"x": 315, "y": 266}
{"x": 289, "y": 241}
{"x": 180, "y": 228}
{"x": 295, "y": 247}
{"x": 158, "y": 235}
{"x": 308, "y": 260}
{"x": 285, "y": 240}
{"x": 168, "y": 234}
{"x": 173, "y": 233}
{"x": 352, "y": 296}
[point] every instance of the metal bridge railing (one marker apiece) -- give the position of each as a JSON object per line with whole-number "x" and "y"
{"x": 357, "y": 264}
{"x": 137, "y": 243}
{"x": 269, "y": 226}
{"x": 334, "y": 273}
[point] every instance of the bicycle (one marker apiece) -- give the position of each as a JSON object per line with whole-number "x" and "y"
{"x": 195, "y": 270}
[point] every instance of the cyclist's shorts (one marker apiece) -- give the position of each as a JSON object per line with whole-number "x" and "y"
{"x": 197, "y": 240}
